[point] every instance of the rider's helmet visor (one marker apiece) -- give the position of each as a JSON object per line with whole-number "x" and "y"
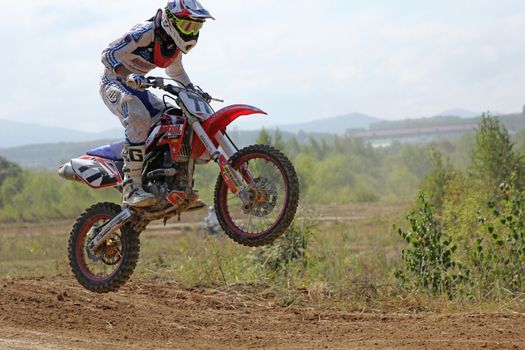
{"x": 187, "y": 26}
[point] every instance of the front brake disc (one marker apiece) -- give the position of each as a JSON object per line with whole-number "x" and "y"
{"x": 263, "y": 197}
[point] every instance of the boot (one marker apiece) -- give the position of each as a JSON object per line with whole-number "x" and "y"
{"x": 195, "y": 202}
{"x": 133, "y": 195}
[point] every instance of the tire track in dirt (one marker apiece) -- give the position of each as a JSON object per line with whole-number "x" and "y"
{"x": 56, "y": 313}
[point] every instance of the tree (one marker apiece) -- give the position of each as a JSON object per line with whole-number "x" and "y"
{"x": 493, "y": 160}
{"x": 293, "y": 148}
{"x": 264, "y": 138}
{"x": 278, "y": 140}
{"x": 8, "y": 169}
{"x": 436, "y": 183}
{"x": 13, "y": 172}
{"x": 416, "y": 159}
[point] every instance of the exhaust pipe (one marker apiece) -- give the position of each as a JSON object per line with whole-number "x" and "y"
{"x": 65, "y": 171}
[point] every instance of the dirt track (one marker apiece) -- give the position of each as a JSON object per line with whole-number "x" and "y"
{"x": 56, "y": 313}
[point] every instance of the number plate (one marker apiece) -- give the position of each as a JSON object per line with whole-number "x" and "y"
{"x": 196, "y": 104}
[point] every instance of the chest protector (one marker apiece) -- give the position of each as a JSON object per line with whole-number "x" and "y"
{"x": 164, "y": 54}
{"x": 163, "y": 58}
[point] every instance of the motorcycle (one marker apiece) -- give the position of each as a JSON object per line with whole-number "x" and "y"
{"x": 256, "y": 193}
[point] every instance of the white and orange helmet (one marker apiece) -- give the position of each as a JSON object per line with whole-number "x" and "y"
{"x": 182, "y": 20}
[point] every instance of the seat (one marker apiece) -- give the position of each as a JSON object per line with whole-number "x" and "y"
{"x": 112, "y": 151}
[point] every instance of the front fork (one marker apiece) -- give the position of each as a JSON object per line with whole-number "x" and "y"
{"x": 235, "y": 181}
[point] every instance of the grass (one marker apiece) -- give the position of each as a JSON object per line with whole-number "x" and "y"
{"x": 346, "y": 264}
{"x": 44, "y": 246}
{"x": 30, "y": 256}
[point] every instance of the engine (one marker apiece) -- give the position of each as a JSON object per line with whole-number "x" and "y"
{"x": 164, "y": 175}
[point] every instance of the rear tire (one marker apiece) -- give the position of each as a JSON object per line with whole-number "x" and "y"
{"x": 120, "y": 258}
{"x": 288, "y": 196}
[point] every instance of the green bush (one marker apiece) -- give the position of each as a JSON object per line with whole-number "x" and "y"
{"x": 8, "y": 169}
{"x": 439, "y": 180}
{"x": 429, "y": 262}
{"x": 288, "y": 249}
{"x": 498, "y": 254}
{"x": 493, "y": 158}
{"x": 36, "y": 197}
{"x": 484, "y": 215}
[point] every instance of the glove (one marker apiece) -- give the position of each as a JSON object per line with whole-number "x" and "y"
{"x": 136, "y": 82}
{"x": 206, "y": 96}
{"x": 197, "y": 90}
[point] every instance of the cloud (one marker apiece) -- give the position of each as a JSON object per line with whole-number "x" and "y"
{"x": 298, "y": 59}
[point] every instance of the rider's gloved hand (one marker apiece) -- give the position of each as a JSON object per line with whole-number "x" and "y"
{"x": 206, "y": 96}
{"x": 194, "y": 89}
{"x": 136, "y": 82}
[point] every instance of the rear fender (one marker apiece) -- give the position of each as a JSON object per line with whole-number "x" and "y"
{"x": 96, "y": 172}
{"x": 219, "y": 121}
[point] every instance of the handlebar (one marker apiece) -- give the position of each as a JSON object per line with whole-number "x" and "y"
{"x": 158, "y": 82}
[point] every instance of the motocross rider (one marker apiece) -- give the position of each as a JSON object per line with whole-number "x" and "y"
{"x": 159, "y": 42}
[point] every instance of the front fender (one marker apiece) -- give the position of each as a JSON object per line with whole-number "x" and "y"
{"x": 225, "y": 116}
{"x": 220, "y": 120}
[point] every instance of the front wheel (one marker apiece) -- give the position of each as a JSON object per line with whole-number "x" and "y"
{"x": 111, "y": 265}
{"x": 273, "y": 191}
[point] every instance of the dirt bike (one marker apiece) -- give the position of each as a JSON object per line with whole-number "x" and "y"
{"x": 256, "y": 193}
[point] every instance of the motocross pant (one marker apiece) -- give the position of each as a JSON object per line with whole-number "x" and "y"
{"x": 137, "y": 110}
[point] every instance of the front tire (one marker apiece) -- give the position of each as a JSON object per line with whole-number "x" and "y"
{"x": 114, "y": 262}
{"x": 275, "y": 189}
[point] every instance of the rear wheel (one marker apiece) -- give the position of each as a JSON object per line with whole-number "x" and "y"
{"x": 273, "y": 190}
{"x": 111, "y": 265}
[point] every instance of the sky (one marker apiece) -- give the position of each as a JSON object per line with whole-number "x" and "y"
{"x": 299, "y": 60}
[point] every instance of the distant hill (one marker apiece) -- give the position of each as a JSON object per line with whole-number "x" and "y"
{"x": 48, "y": 156}
{"x": 335, "y": 125}
{"x": 512, "y": 122}
{"x": 14, "y": 134}
{"x": 420, "y": 122}
{"x": 459, "y": 112}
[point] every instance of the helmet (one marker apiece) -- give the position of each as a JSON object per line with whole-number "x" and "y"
{"x": 182, "y": 21}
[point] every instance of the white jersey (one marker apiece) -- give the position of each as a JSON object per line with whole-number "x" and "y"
{"x": 135, "y": 51}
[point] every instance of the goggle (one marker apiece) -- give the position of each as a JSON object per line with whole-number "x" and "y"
{"x": 188, "y": 27}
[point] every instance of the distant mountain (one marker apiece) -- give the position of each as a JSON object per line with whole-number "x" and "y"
{"x": 48, "y": 156}
{"x": 513, "y": 122}
{"x": 335, "y": 125}
{"x": 459, "y": 112}
{"x": 14, "y": 134}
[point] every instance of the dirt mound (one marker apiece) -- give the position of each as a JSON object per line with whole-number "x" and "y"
{"x": 56, "y": 313}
